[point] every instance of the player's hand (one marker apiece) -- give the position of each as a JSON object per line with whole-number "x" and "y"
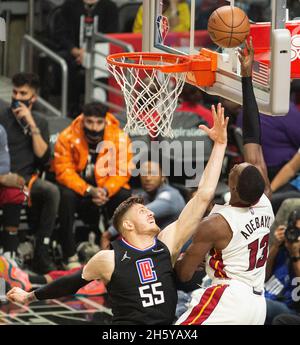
{"x": 279, "y": 235}
{"x": 17, "y": 295}
{"x": 12, "y": 180}
{"x": 218, "y": 133}
{"x": 246, "y": 57}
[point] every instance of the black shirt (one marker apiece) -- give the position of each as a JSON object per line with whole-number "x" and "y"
{"x": 22, "y": 157}
{"x": 68, "y": 33}
{"x": 142, "y": 287}
{"x": 88, "y": 173}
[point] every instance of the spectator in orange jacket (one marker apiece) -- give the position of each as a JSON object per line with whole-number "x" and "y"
{"x": 92, "y": 165}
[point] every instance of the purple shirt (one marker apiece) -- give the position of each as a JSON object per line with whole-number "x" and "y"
{"x": 280, "y": 136}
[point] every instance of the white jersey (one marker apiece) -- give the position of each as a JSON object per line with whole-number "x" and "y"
{"x": 245, "y": 257}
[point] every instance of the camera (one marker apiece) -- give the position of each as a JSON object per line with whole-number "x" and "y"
{"x": 292, "y": 232}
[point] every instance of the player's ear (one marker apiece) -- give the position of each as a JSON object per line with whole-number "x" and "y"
{"x": 127, "y": 224}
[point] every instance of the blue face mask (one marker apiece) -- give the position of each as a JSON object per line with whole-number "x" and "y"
{"x": 15, "y": 103}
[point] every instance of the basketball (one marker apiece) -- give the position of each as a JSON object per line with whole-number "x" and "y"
{"x": 228, "y": 26}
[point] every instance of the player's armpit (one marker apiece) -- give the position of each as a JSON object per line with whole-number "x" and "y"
{"x": 100, "y": 266}
{"x": 213, "y": 232}
{"x": 188, "y": 264}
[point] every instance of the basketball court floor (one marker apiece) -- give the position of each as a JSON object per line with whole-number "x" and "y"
{"x": 76, "y": 310}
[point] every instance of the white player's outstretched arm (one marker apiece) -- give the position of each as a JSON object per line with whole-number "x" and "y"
{"x": 177, "y": 233}
{"x": 100, "y": 266}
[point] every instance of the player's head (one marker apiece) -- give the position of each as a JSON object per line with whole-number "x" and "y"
{"x": 151, "y": 176}
{"x": 25, "y": 89}
{"x": 94, "y": 121}
{"x": 133, "y": 217}
{"x": 246, "y": 184}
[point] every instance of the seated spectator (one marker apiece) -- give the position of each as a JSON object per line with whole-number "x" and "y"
{"x": 283, "y": 266}
{"x": 28, "y": 142}
{"x": 162, "y": 199}
{"x": 283, "y": 213}
{"x": 92, "y": 165}
{"x": 79, "y": 18}
{"x": 11, "y": 192}
{"x": 191, "y": 101}
{"x": 280, "y": 138}
{"x": 177, "y": 11}
{"x": 283, "y": 185}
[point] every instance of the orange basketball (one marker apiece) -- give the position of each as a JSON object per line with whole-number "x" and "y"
{"x": 228, "y": 26}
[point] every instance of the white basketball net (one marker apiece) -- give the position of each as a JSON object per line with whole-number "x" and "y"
{"x": 150, "y": 97}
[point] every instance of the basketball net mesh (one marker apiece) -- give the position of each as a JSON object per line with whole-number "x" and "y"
{"x": 150, "y": 97}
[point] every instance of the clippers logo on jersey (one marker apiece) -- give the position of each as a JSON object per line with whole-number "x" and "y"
{"x": 145, "y": 271}
{"x": 295, "y": 48}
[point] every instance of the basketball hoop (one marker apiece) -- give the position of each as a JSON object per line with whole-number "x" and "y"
{"x": 151, "y": 84}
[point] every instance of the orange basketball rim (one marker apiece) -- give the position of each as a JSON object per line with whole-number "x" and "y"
{"x": 200, "y": 68}
{"x": 152, "y": 82}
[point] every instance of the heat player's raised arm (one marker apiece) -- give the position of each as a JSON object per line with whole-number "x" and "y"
{"x": 177, "y": 233}
{"x": 251, "y": 122}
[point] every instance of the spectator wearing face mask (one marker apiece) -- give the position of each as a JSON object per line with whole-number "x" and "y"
{"x": 28, "y": 143}
{"x": 92, "y": 165}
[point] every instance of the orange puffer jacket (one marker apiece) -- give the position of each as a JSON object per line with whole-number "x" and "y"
{"x": 113, "y": 164}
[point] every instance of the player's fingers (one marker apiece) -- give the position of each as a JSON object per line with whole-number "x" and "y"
{"x": 220, "y": 114}
{"x": 11, "y": 291}
{"x": 251, "y": 48}
{"x": 226, "y": 122}
{"x": 214, "y": 114}
{"x": 204, "y": 128}
{"x": 248, "y": 46}
{"x": 11, "y": 297}
{"x": 241, "y": 58}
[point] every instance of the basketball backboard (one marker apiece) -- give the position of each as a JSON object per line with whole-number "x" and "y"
{"x": 274, "y": 67}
